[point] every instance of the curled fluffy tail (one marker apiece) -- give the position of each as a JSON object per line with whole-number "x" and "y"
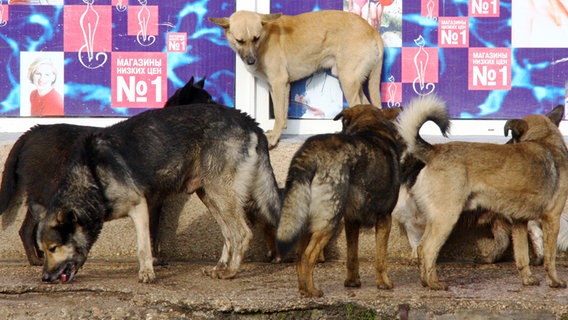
{"x": 294, "y": 217}
{"x": 562, "y": 244}
{"x": 419, "y": 111}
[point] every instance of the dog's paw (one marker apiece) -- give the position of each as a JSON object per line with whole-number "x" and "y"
{"x": 273, "y": 139}
{"x": 146, "y": 276}
{"x": 312, "y": 293}
{"x": 557, "y": 283}
{"x": 531, "y": 281}
{"x": 438, "y": 285}
{"x": 219, "y": 274}
{"x": 352, "y": 283}
{"x": 384, "y": 284}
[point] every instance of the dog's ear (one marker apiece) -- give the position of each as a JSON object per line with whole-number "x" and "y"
{"x": 221, "y": 22}
{"x": 200, "y": 84}
{"x": 265, "y": 18}
{"x": 391, "y": 113}
{"x": 518, "y": 127}
{"x": 66, "y": 217}
{"x": 37, "y": 210}
{"x": 345, "y": 115}
{"x": 339, "y": 115}
{"x": 556, "y": 115}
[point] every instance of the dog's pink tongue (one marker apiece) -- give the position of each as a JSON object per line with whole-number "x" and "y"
{"x": 64, "y": 278}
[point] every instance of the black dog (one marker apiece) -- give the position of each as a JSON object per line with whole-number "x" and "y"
{"x": 126, "y": 169}
{"x": 38, "y": 159}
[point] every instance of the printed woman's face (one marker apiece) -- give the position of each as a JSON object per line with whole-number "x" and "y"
{"x": 44, "y": 76}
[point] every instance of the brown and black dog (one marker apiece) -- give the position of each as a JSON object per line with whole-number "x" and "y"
{"x": 352, "y": 175}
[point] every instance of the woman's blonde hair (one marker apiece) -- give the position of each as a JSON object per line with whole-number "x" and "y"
{"x": 37, "y": 62}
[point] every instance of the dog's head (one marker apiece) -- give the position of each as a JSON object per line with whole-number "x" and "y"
{"x": 535, "y": 127}
{"x": 70, "y": 226}
{"x": 245, "y": 32}
{"x": 190, "y": 93}
{"x": 63, "y": 244}
{"x": 365, "y": 117}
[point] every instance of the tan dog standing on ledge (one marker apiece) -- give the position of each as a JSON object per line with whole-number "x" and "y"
{"x": 281, "y": 49}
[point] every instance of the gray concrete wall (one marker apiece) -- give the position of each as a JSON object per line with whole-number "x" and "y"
{"x": 190, "y": 233}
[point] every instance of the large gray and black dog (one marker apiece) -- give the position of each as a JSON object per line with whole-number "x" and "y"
{"x": 38, "y": 160}
{"x": 352, "y": 175}
{"x": 123, "y": 170}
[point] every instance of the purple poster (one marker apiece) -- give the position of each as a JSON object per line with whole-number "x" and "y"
{"x": 489, "y": 59}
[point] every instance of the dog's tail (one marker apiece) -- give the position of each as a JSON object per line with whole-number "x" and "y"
{"x": 374, "y": 79}
{"x": 265, "y": 192}
{"x": 295, "y": 206}
{"x": 419, "y": 111}
{"x": 9, "y": 186}
{"x": 562, "y": 244}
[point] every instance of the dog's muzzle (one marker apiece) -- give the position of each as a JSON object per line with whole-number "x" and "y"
{"x": 250, "y": 60}
{"x": 65, "y": 273}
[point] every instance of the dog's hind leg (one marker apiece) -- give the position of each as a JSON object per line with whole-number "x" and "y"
{"x": 351, "y": 85}
{"x": 352, "y": 238}
{"x": 521, "y": 251}
{"x": 437, "y": 231}
{"x": 308, "y": 260}
{"x": 227, "y": 242}
{"x": 140, "y": 216}
{"x": 374, "y": 83}
{"x": 550, "y": 228}
{"x": 382, "y": 232}
{"x": 269, "y": 234}
{"x": 230, "y": 216}
{"x": 301, "y": 265}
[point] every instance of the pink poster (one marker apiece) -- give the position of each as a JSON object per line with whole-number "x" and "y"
{"x": 489, "y": 69}
{"x": 177, "y": 41}
{"x": 138, "y": 79}
{"x": 453, "y": 32}
{"x": 484, "y": 8}
{"x": 429, "y": 8}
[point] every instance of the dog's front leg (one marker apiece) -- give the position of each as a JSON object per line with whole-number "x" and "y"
{"x": 28, "y": 236}
{"x": 280, "y": 90}
{"x": 521, "y": 252}
{"x": 140, "y": 216}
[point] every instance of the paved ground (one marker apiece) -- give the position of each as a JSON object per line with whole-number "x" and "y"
{"x": 109, "y": 290}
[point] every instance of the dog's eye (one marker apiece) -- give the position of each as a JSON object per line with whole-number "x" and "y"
{"x": 240, "y": 41}
{"x": 52, "y": 249}
{"x": 255, "y": 39}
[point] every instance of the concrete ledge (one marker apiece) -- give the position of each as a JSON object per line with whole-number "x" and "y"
{"x": 109, "y": 290}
